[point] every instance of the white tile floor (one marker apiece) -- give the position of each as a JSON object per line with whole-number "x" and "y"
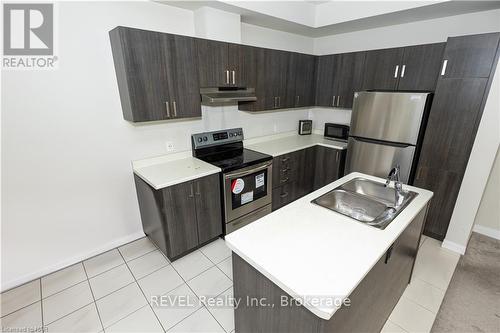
{"x": 112, "y": 293}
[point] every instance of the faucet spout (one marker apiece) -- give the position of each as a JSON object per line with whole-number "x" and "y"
{"x": 398, "y": 187}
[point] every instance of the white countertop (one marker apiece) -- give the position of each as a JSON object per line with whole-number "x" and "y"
{"x": 160, "y": 172}
{"x": 287, "y": 144}
{"x": 308, "y": 250}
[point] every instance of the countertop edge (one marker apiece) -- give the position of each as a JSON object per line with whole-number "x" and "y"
{"x": 178, "y": 180}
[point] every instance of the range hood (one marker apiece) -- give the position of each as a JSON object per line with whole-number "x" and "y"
{"x": 225, "y": 95}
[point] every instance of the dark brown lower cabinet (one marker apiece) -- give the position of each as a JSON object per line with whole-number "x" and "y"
{"x": 328, "y": 166}
{"x": 182, "y": 217}
{"x": 372, "y": 301}
{"x": 299, "y": 173}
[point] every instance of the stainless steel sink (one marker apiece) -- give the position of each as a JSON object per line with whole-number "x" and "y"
{"x": 366, "y": 201}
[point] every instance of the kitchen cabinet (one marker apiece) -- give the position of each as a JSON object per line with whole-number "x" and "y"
{"x": 339, "y": 76}
{"x": 404, "y": 68}
{"x": 182, "y": 217}
{"x": 326, "y": 67}
{"x": 449, "y": 136}
{"x": 381, "y": 69}
{"x": 372, "y": 301}
{"x": 420, "y": 67}
{"x": 220, "y": 64}
{"x": 271, "y": 67}
{"x": 328, "y": 166}
{"x": 284, "y": 194}
{"x": 156, "y": 79}
{"x": 300, "y": 80}
{"x": 469, "y": 56}
{"x": 299, "y": 173}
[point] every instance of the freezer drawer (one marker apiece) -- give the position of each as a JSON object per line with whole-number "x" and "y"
{"x": 378, "y": 159}
{"x": 388, "y": 116}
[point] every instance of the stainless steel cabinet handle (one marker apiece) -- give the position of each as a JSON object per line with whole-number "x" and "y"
{"x": 443, "y": 69}
{"x": 234, "y": 77}
{"x": 284, "y": 195}
{"x": 336, "y": 156}
{"x": 396, "y": 71}
{"x": 338, "y": 100}
{"x": 285, "y": 159}
{"x": 227, "y": 77}
{"x": 297, "y": 99}
{"x": 403, "y": 70}
{"x": 279, "y": 101}
{"x": 198, "y": 192}
{"x": 333, "y": 100}
{"x": 167, "y": 105}
{"x": 175, "y": 108}
{"x": 191, "y": 194}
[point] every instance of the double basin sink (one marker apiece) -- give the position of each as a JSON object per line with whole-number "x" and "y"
{"x": 366, "y": 201}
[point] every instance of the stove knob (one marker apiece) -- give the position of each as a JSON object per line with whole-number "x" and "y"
{"x": 231, "y": 135}
{"x": 205, "y": 138}
{"x": 200, "y": 139}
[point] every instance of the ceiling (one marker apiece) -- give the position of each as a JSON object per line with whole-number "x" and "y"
{"x": 324, "y": 18}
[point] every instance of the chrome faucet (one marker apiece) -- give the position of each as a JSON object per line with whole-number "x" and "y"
{"x": 398, "y": 187}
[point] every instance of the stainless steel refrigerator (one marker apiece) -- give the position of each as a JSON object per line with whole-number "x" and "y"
{"x": 386, "y": 130}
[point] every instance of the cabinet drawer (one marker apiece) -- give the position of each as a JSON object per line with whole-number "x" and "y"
{"x": 284, "y": 169}
{"x": 284, "y": 194}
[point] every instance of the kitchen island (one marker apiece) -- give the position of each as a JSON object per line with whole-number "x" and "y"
{"x": 305, "y": 268}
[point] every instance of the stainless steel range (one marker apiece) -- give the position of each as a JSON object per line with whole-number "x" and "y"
{"x": 246, "y": 180}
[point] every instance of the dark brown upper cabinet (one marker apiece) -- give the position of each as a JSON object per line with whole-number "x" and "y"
{"x": 155, "y": 78}
{"x": 326, "y": 66}
{"x": 469, "y": 56}
{"x": 220, "y": 64}
{"x": 338, "y": 77}
{"x": 382, "y": 69}
{"x": 300, "y": 80}
{"x": 420, "y": 67}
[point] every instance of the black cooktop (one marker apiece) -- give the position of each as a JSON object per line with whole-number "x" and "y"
{"x": 234, "y": 159}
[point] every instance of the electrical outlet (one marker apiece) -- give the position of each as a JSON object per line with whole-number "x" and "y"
{"x": 170, "y": 146}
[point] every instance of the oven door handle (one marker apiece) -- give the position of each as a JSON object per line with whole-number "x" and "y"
{"x": 247, "y": 172}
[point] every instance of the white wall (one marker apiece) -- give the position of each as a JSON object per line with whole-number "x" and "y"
{"x": 487, "y": 219}
{"x": 67, "y": 184}
{"x": 264, "y": 37}
{"x": 429, "y": 31}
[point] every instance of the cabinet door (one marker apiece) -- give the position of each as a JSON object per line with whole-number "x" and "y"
{"x": 305, "y": 171}
{"x": 213, "y": 63}
{"x": 326, "y": 166}
{"x": 349, "y": 78}
{"x": 144, "y": 72}
{"x": 382, "y": 68}
{"x": 186, "y": 90}
{"x": 254, "y": 62}
{"x": 326, "y": 68}
{"x": 470, "y": 56}
{"x": 449, "y": 136}
{"x": 243, "y": 69}
{"x": 208, "y": 207}
{"x": 180, "y": 215}
{"x": 304, "y": 80}
{"x": 276, "y": 68}
{"x": 420, "y": 67}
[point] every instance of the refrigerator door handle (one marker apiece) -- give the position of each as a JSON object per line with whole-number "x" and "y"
{"x": 385, "y": 143}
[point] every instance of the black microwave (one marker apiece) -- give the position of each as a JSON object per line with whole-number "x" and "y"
{"x": 336, "y": 132}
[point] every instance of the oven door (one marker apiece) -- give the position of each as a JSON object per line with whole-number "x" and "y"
{"x": 246, "y": 190}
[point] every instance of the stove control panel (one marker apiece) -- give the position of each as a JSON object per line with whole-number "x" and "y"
{"x": 216, "y": 138}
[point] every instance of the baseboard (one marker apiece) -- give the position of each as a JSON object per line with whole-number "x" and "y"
{"x": 460, "y": 249}
{"x": 6, "y": 285}
{"x": 490, "y": 232}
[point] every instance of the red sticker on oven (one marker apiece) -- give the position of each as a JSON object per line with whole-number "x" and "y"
{"x": 237, "y": 186}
